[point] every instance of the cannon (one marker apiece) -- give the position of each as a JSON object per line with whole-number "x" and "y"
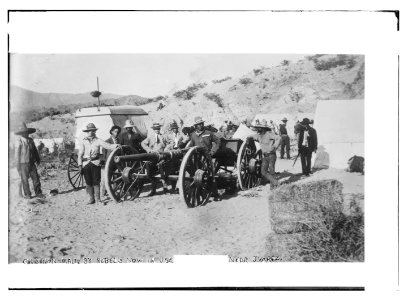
{"x": 237, "y": 164}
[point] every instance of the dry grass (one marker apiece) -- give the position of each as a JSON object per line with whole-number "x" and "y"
{"x": 308, "y": 224}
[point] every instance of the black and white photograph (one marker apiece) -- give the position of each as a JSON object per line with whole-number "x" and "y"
{"x": 126, "y": 155}
{"x": 258, "y": 157}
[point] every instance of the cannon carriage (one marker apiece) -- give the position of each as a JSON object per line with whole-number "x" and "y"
{"x": 104, "y": 118}
{"x": 196, "y": 174}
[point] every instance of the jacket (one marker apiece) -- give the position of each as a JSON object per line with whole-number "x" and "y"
{"x": 205, "y": 139}
{"x": 25, "y": 151}
{"x": 151, "y": 144}
{"x": 134, "y": 140}
{"x": 173, "y": 144}
{"x": 311, "y": 139}
{"x": 107, "y": 152}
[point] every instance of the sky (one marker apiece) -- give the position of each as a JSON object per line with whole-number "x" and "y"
{"x": 146, "y": 75}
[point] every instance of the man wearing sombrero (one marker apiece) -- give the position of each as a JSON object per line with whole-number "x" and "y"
{"x": 154, "y": 143}
{"x": 89, "y": 161}
{"x": 26, "y": 158}
{"x": 307, "y": 144}
{"x": 130, "y": 137}
{"x": 285, "y": 143}
{"x": 269, "y": 142}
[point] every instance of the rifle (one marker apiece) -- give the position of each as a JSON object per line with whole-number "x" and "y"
{"x": 296, "y": 159}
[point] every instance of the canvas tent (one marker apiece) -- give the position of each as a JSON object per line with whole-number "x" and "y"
{"x": 107, "y": 116}
{"x": 340, "y": 132}
{"x": 277, "y": 119}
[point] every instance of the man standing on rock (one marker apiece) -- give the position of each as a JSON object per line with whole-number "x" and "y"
{"x": 26, "y": 157}
{"x": 285, "y": 140}
{"x": 307, "y": 144}
{"x": 130, "y": 137}
{"x": 89, "y": 161}
{"x": 269, "y": 142}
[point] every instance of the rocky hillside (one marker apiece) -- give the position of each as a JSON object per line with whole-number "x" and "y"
{"x": 289, "y": 88}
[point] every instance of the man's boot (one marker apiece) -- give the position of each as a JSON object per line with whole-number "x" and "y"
{"x": 90, "y": 191}
{"x": 97, "y": 193}
{"x": 165, "y": 187}
{"x": 153, "y": 191}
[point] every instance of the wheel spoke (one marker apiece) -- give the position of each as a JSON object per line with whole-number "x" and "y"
{"x": 117, "y": 179}
{"x": 76, "y": 180}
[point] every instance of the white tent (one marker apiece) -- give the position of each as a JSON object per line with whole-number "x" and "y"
{"x": 340, "y": 132}
{"x": 277, "y": 119}
{"x": 107, "y": 116}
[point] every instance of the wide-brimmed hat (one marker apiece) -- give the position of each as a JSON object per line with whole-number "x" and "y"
{"x": 156, "y": 126}
{"x": 305, "y": 121}
{"x": 174, "y": 125}
{"x": 129, "y": 123}
{"x": 284, "y": 119}
{"x": 198, "y": 120}
{"x": 263, "y": 124}
{"x": 24, "y": 129}
{"x": 90, "y": 127}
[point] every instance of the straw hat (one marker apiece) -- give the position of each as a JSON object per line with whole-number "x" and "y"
{"x": 24, "y": 129}
{"x": 263, "y": 124}
{"x": 198, "y": 120}
{"x": 174, "y": 126}
{"x": 90, "y": 127}
{"x": 156, "y": 126}
{"x": 129, "y": 123}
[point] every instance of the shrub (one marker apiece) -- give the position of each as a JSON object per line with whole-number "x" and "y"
{"x": 285, "y": 62}
{"x": 189, "y": 93}
{"x": 340, "y": 60}
{"x": 295, "y": 96}
{"x": 258, "y": 71}
{"x": 245, "y": 81}
{"x": 221, "y": 80}
{"x": 214, "y": 97}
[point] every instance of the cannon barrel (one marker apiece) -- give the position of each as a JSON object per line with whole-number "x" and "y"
{"x": 153, "y": 157}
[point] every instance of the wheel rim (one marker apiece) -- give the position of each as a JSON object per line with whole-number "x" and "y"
{"x": 121, "y": 179}
{"x": 196, "y": 175}
{"x": 249, "y": 166}
{"x": 74, "y": 176}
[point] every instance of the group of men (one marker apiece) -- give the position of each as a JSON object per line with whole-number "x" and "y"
{"x": 270, "y": 140}
{"x": 93, "y": 151}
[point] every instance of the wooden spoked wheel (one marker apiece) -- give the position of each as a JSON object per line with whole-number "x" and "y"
{"x": 196, "y": 177}
{"x": 74, "y": 176}
{"x": 249, "y": 165}
{"x": 122, "y": 180}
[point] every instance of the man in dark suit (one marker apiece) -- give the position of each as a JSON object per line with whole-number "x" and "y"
{"x": 130, "y": 137}
{"x": 307, "y": 144}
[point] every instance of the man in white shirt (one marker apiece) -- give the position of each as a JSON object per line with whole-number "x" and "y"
{"x": 89, "y": 161}
{"x": 269, "y": 142}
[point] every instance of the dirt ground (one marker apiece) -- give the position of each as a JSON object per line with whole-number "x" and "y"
{"x": 64, "y": 226}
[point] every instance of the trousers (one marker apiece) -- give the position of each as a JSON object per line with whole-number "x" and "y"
{"x": 306, "y": 159}
{"x": 26, "y": 171}
{"x": 92, "y": 174}
{"x": 285, "y": 144}
{"x": 268, "y": 168}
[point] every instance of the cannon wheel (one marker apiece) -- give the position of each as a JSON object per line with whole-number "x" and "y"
{"x": 249, "y": 166}
{"x": 75, "y": 178}
{"x": 121, "y": 179}
{"x": 196, "y": 177}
